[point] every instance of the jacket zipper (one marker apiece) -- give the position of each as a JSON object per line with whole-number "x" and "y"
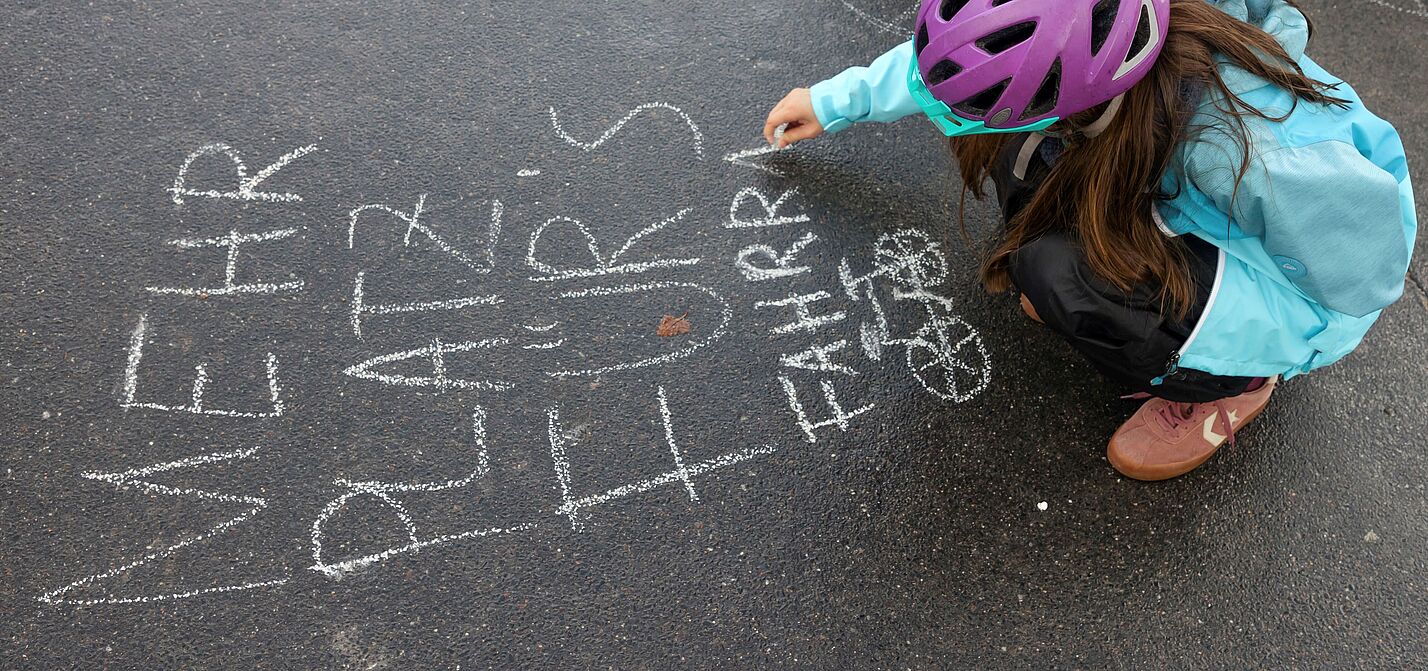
{"x": 1173, "y": 365}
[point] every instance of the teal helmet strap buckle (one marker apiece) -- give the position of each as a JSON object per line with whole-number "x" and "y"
{"x": 948, "y": 122}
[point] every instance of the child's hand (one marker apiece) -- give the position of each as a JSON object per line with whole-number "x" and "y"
{"x": 796, "y": 110}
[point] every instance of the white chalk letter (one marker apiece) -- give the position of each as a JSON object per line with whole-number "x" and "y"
{"x": 805, "y": 321}
{"x": 840, "y": 416}
{"x": 771, "y": 217}
{"x": 782, "y": 264}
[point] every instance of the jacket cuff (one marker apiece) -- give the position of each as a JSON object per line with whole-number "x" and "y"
{"x": 823, "y": 94}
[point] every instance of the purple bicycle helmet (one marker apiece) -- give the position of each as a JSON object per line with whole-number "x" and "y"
{"x": 1013, "y": 65}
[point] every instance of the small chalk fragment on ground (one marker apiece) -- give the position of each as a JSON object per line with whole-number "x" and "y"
{"x": 527, "y": 172}
{"x": 1370, "y": 537}
{"x": 1043, "y": 505}
{"x": 671, "y": 326}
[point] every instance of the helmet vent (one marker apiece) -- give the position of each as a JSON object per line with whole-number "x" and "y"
{"x": 943, "y": 71}
{"x": 921, "y": 42}
{"x": 1007, "y": 38}
{"x": 950, "y": 8}
{"x": 1142, "y": 34}
{"x": 1148, "y": 39}
{"x": 1103, "y": 19}
{"x": 978, "y": 105}
{"x": 1046, "y": 96}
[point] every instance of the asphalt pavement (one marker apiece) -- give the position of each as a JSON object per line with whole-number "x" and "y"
{"x": 438, "y": 335}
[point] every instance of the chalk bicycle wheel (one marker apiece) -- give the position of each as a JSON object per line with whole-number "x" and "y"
{"x": 948, "y": 358}
{"x": 911, "y": 258}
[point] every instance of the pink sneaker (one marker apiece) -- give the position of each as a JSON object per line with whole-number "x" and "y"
{"x": 1164, "y": 439}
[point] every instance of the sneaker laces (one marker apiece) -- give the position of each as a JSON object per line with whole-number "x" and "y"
{"x": 1174, "y": 417}
{"x": 1225, "y": 420}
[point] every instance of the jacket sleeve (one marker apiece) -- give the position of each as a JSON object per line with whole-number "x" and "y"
{"x": 1329, "y": 218}
{"x": 877, "y": 92}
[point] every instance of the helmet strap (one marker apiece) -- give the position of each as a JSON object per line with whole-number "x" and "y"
{"x": 1104, "y": 121}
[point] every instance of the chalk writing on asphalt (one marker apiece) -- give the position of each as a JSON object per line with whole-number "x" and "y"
{"x": 885, "y": 307}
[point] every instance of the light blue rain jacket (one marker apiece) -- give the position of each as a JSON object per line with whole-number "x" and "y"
{"x": 1323, "y": 222}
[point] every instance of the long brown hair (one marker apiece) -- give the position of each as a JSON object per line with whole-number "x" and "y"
{"x": 1102, "y": 189}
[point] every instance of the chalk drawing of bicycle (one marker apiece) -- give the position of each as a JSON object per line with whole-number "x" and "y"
{"x": 944, "y": 353}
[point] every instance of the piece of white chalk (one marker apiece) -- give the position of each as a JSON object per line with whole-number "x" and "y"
{"x": 1043, "y": 505}
{"x": 778, "y": 135}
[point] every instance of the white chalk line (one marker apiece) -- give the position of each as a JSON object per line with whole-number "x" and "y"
{"x": 404, "y": 515}
{"x": 652, "y": 228}
{"x": 429, "y": 306}
{"x": 540, "y": 329}
{"x": 234, "y": 238}
{"x": 1421, "y": 8}
{"x": 200, "y": 380}
{"x": 277, "y": 165}
{"x": 545, "y": 345}
{"x": 871, "y": 336}
{"x": 603, "y": 265}
{"x": 642, "y": 486}
{"x": 623, "y": 269}
{"x": 805, "y": 321}
{"x": 436, "y": 350}
{"x": 840, "y": 416}
{"x": 360, "y": 307}
{"x": 673, "y": 448}
{"x": 195, "y": 406}
{"x": 171, "y": 597}
{"x": 493, "y": 233}
{"x": 131, "y": 479}
{"x": 570, "y": 507}
{"x": 246, "y": 184}
{"x": 230, "y": 270}
{"x": 539, "y": 233}
{"x": 124, "y": 477}
{"x": 382, "y": 490}
{"x": 589, "y": 146}
{"x": 335, "y": 506}
{"x": 336, "y": 569}
{"x": 771, "y": 215}
{"x": 562, "y": 467}
{"x": 943, "y": 349}
{"x": 922, "y": 296}
{"x": 527, "y": 172}
{"x": 885, "y": 25}
{"x": 136, "y": 353}
{"x": 483, "y": 466}
{"x": 206, "y": 411}
{"x": 274, "y": 389}
{"x": 726, "y": 315}
{"x": 237, "y": 289}
{"x": 438, "y": 360}
{"x": 414, "y": 225}
{"x": 816, "y": 358}
{"x": 783, "y": 263}
{"x": 742, "y": 158}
